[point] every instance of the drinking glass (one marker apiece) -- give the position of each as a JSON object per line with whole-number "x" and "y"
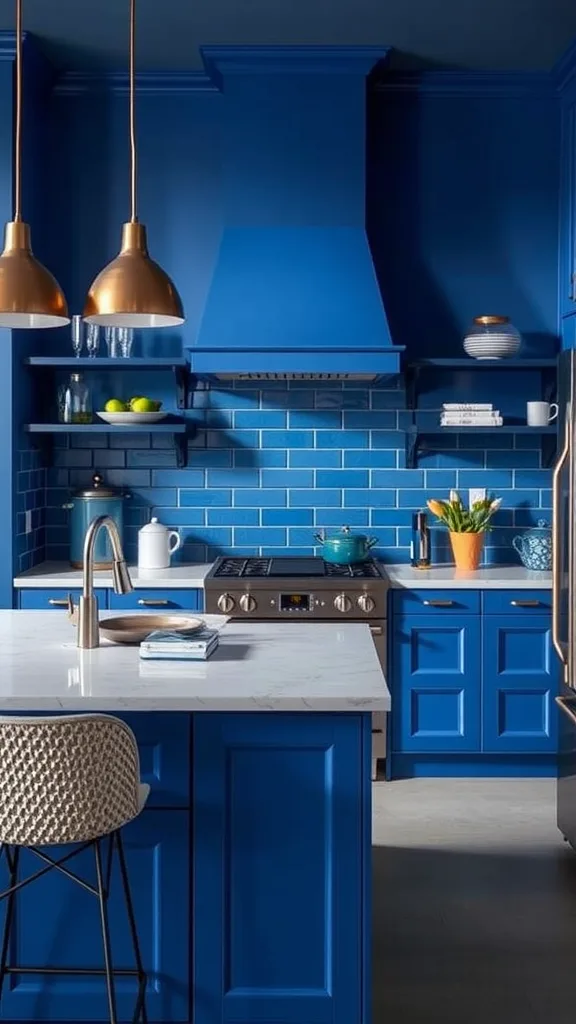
{"x": 93, "y": 340}
{"x": 77, "y": 335}
{"x": 125, "y": 341}
{"x": 111, "y": 339}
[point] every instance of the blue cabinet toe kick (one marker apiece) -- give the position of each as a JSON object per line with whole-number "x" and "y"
{"x": 481, "y": 766}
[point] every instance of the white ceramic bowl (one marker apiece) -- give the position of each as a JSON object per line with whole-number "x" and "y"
{"x": 493, "y": 346}
{"x": 125, "y": 419}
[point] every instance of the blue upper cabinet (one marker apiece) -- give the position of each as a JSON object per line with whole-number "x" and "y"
{"x": 520, "y": 681}
{"x": 436, "y": 673}
{"x": 279, "y": 925}
{"x": 567, "y": 262}
{"x": 294, "y": 287}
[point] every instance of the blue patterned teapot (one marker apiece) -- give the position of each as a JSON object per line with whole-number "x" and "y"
{"x": 535, "y": 547}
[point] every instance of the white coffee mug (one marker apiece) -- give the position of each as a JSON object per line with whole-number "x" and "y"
{"x": 540, "y": 414}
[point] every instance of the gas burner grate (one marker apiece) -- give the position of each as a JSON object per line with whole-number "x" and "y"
{"x": 357, "y": 571}
{"x": 234, "y": 568}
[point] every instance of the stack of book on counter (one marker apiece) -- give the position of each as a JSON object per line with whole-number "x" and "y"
{"x": 470, "y": 414}
{"x": 164, "y": 645}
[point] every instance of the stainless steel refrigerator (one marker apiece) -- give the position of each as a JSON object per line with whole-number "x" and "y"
{"x": 564, "y": 590}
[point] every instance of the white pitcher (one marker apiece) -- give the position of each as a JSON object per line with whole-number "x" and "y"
{"x": 156, "y": 543}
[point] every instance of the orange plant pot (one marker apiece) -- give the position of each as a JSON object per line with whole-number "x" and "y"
{"x": 467, "y": 549}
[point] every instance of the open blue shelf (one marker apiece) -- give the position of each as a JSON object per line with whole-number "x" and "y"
{"x": 174, "y": 428}
{"x": 414, "y": 433}
{"x": 178, "y": 365}
{"x": 103, "y": 363}
{"x": 467, "y": 363}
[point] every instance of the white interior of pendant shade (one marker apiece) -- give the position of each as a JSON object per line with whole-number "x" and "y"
{"x": 140, "y": 320}
{"x": 32, "y": 321}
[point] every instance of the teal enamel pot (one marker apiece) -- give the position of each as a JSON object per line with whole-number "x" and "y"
{"x": 345, "y": 547}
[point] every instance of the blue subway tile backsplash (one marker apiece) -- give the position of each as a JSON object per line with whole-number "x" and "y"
{"x": 268, "y": 468}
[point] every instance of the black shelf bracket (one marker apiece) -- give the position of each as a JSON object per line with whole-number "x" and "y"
{"x": 549, "y": 385}
{"x": 412, "y": 440}
{"x": 549, "y": 444}
{"x": 411, "y": 382}
{"x": 180, "y": 442}
{"x": 185, "y": 382}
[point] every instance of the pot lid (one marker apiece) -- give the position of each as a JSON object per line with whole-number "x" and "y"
{"x": 541, "y": 530}
{"x": 97, "y": 490}
{"x": 154, "y": 526}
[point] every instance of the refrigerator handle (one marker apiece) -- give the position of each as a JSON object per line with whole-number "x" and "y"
{"x": 556, "y": 549}
{"x": 564, "y": 705}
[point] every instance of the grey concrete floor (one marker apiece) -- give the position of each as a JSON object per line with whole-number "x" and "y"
{"x": 474, "y": 904}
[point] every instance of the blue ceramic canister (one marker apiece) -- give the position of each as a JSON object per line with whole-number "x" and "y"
{"x": 84, "y": 506}
{"x": 535, "y": 547}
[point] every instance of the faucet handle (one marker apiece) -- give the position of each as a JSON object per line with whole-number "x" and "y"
{"x": 72, "y": 610}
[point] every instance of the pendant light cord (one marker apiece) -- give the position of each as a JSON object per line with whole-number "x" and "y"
{"x": 18, "y": 126}
{"x": 133, "y": 217}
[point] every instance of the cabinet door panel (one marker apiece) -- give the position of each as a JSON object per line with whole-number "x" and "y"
{"x": 567, "y": 265}
{"x": 57, "y": 924}
{"x": 279, "y": 825}
{"x": 436, "y": 689}
{"x": 519, "y": 685}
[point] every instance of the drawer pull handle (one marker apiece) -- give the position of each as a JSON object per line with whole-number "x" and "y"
{"x": 377, "y": 630}
{"x": 150, "y": 602}
{"x": 525, "y": 604}
{"x": 439, "y": 604}
{"x": 58, "y": 602}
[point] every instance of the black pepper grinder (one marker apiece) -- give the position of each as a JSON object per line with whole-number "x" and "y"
{"x": 420, "y": 548}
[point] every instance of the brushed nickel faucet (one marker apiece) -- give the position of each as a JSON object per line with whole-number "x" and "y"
{"x": 88, "y": 629}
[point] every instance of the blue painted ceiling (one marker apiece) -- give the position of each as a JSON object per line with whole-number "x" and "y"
{"x": 479, "y": 34}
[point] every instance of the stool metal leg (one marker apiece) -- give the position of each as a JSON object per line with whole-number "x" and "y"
{"x": 140, "y": 1008}
{"x": 102, "y": 899}
{"x": 12, "y": 858}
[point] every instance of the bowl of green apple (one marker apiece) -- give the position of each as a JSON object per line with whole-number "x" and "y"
{"x": 139, "y": 409}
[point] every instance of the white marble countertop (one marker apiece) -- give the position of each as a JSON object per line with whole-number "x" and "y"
{"x": 276, "y": 666}
{"x": 514, "y": 577}
{"x": 60, "y": 574}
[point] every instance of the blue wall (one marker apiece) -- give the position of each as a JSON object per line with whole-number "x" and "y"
{"x": 462, "y": 213}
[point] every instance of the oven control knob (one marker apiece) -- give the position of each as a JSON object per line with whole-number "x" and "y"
{"x": 366, "y": 603}
{"x": 342, "y": 603}
{"x": 226, "y": 603}
{"x": 247, "y": 603}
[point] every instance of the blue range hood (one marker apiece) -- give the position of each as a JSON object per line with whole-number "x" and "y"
{"x": 294, "y": 291}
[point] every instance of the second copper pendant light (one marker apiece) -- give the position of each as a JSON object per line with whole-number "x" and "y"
{"x": 133, "y": 290}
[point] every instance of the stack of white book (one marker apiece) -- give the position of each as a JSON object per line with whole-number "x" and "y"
{"x": 470, "y": 414}
{"x": 165, "y": 645}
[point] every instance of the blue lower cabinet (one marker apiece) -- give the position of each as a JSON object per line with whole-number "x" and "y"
{"x": 281, "y": 818}
{"x": 57, "y": 924}
{"x": 519, "y": 685}
{"x": 156, "y": 599}
{"x": 436, "y": 683}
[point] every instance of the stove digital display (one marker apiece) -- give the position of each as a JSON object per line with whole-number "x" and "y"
{"x": 295, "y": 602}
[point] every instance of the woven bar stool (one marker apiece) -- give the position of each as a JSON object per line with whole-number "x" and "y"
{"x": 70, "y": 779}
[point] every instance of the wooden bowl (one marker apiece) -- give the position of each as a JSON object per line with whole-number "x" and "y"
{"x": 133, "y": 629}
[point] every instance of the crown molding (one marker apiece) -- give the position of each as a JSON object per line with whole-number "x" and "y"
{"x": 497, "y": 84}
{"x": 220, "y": 61}
{"x": 77, "y": 83}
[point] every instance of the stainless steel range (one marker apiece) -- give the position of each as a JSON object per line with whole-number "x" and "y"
{"x": 289, "y": 587}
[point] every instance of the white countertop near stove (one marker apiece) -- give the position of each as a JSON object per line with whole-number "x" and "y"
{"x": 60, "y": 574}
{"x": 269, "y": 666}
{"x": 447, "y": 577}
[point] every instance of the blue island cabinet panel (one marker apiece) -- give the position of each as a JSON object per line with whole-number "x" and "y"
{"x": 57, "y": 924}
{"x": 519, "y": 685}
{"x": 281, "y": 826}
{"x": 436, "y": 665}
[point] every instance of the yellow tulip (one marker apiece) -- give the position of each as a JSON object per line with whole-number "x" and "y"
{"x": 436, "y": 507}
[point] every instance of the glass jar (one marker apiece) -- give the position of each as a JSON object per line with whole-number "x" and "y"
{"x": 74, "y": 401}
{"x": 492, "y": 337}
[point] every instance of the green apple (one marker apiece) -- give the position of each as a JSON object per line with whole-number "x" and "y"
{"x": 143, "y": 405}
{"x": 115, "y": 405}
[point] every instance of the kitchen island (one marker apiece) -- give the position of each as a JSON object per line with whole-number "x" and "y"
{"x": 250, "y": 864}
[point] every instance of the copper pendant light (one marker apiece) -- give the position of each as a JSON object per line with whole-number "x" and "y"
{"x": 29, "y": 296}
{"x": 133, "y": 290}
